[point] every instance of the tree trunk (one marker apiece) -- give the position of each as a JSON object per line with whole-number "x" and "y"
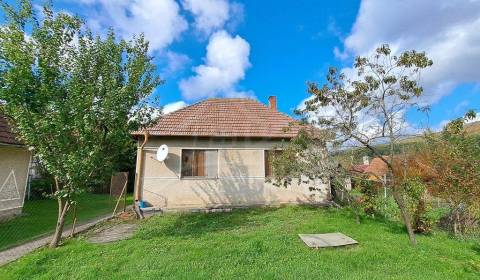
{"x": 72, "y": 233}
{"x": 456, "y": 223}
{"x": 405, "y": 216}
{"x": 63, "y": 207}
{"x": 62, "y": 211}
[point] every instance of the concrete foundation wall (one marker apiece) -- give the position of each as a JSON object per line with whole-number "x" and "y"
{"x": 14, "y": 163}
{"x": 240, "y": 181}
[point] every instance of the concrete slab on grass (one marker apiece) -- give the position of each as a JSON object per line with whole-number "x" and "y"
{"x": 335, "y": 239}
{"x": 112, "y": 233}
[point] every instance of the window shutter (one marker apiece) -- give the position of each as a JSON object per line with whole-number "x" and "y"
{"x": 199, "y": 163}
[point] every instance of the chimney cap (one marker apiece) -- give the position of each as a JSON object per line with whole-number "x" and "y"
{"x": 272, "y": 101}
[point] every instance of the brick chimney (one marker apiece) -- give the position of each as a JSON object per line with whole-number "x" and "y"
{"x": 272, "y": 102}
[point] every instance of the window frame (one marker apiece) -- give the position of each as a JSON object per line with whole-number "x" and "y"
{"x": 182, "y": 177}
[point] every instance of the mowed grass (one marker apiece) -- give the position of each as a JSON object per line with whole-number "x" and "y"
{"x": 40, "y": 216}
{"x": 255, "y": 244}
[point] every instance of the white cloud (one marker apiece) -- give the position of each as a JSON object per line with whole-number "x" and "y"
{"x": 174, "y": 106}
{"x": 339, "y": 54}
{"x": 159, "y": 20}
{"x": 226, "y": 62}
{"x": 212, "y": 15}
{"x": 447, "y": 30}
{"x": 176, "y": 62}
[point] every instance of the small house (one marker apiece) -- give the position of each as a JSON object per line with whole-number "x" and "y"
{"x": 375, "y": 170}
{"x": 14, "y": 165}
{"x": 219, "y": 155}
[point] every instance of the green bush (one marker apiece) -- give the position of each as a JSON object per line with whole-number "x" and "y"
{"x": 423, "y": 220}
{"x": 420, "y": 207}
{"x": 386, "y": 207}
{"x": 41, "y": 187}
{"x": 369, "y": 192}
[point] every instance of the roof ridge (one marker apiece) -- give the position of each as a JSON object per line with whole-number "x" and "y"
{"x": 278, "y": 111}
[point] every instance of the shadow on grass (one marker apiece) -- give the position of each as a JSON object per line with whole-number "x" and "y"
{"x": 476, "y": 248}
{"x": 393, "y": 226}
{"x": 345, "y": 214}
{"x": 196, "y": 224}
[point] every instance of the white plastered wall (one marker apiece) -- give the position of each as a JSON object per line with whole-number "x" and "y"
{"x": 14, "y": 164}
{"x": 240, "y": 181}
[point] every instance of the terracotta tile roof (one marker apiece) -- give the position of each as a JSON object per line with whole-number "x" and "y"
{"x": 375, "y": 170}
{"x": 360, "y": 168}
{"x": 6, "y": 135}
{"x": 377, "y": 167}
{"x": 226, "y": 117}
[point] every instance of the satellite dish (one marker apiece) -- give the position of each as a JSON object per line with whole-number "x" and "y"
{"x": 162, "y": 152}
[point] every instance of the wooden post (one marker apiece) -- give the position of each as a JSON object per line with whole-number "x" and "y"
{"x": 74, "y": 220}
{"x": 119, "y": 198}
{"x": 125, "y": 194}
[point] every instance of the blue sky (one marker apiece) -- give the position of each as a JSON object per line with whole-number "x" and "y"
{"x": 221, "y": 48}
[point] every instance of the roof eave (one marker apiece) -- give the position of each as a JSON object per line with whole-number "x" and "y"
{"x": 152, "y": 134}
{"x": 2, "y": 144}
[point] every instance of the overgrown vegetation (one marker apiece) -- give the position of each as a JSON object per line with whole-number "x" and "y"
{"x": 453, "y": 159}
{"x": 427, "y": 180}
{"x": 362, "y": 111}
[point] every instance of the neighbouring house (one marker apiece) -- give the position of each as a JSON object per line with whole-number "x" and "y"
{"x": 219, "y": 155}
{"x": 375, "y": 170}
{"x": 14, "y": 165}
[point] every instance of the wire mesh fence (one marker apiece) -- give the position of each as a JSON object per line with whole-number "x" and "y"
{"x": 36, "y": 217}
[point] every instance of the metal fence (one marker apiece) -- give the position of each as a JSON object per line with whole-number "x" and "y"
{"x": 31, "y": 225}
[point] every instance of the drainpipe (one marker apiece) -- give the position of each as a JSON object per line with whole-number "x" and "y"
{"x": 138, "y": 176}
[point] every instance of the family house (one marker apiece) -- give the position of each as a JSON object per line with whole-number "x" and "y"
{"x": 374, "y": 170}
{"x": 14, "y": 164}
{"x": 219, "y": 155}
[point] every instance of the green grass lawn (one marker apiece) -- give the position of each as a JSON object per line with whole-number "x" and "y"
{"x": 255, "y": 244}
{"x": 40, "y": 216}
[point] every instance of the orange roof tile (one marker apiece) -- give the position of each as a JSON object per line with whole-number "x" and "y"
{"x": 377, "y": 167}
{"x": 360, "y": 168}
{"x": 226, "y": 117}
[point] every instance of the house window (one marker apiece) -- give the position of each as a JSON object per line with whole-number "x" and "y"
{"x": 269, "y": 155}
{"x": 200, "y": 163}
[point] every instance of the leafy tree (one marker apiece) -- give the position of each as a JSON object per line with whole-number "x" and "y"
{"x": 305, "y": 159}
{"x": 369, "y": 109}
{"x": 72, "y": 96}
{"x": 453, "y": 159}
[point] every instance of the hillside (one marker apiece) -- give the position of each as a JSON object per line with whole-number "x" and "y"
{"x": 473, "y": 128}
{"x": 356, "y": 154}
